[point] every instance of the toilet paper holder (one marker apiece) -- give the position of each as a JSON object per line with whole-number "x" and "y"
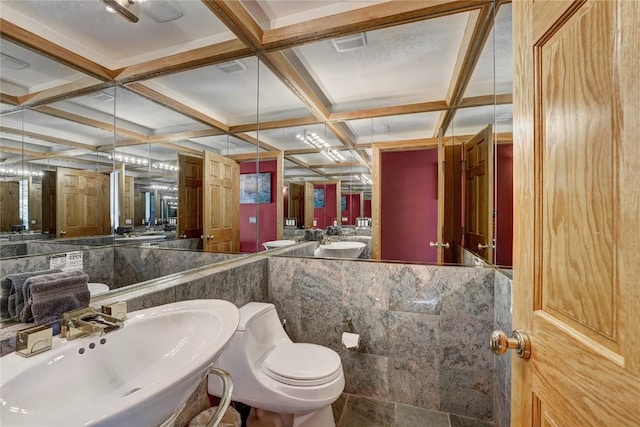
{"x": 345, "y": 326}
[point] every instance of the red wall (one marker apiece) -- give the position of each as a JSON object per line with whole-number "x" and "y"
{"x": 266, "y": 214}
{"x": 326, "y": 215}
{"x": 409, "y": 205}
{"x": 353, "y": 208}
{"x": 504, "y": 205}
{"x": 367, "y": 208}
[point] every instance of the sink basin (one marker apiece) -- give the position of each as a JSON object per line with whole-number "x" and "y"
{"x": 340, "y": 250}
{"x": 140, "y": 375}
{"x": 274, "y": 244}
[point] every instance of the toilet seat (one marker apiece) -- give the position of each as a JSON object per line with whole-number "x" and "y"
{"x": 302, "y": 364}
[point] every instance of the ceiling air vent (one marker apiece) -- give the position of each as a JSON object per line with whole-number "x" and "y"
{"x": 353, "y": 42}
{"x": 162, "y": 10}
{"x": 232, "y": 67}
{"x": 102, "y": 96}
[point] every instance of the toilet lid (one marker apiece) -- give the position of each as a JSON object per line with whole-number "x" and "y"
{"x": 302, "y": 364}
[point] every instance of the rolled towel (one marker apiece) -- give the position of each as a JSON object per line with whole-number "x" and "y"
{"x": 5, "y": 291}
{"x": 15, "y": 283}
{"x": 49, "y": 296}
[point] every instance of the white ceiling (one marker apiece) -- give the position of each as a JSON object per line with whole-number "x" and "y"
{"x": 401, "y": 65}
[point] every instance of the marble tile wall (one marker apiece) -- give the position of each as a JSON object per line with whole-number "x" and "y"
{"x": 502, "y": 364}
{"x": 137, "y": 264}
{"x": 96, "y": 262}
{"x": 424, "y": 329}
{"x": 12, "y": 249}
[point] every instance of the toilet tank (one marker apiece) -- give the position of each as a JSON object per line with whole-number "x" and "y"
{"x": 261, "y": 329}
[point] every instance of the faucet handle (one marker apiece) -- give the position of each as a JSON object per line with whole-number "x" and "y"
{"x": 34, "y": 340}
{"x": 117, "y": 310}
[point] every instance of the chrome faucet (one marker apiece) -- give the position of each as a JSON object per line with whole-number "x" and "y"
{"x": 87, "y": 321}
{"x": 326, "y": 241}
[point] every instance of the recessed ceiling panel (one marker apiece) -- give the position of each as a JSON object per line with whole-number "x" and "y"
{"x": 278, "y": 13}
{"x": 86, "y": 28}
{"x": 395, "y": 128}
{"x": 469, "y": 121}
{"x": 23, "y": 71}
{"x": 398, "y": 65}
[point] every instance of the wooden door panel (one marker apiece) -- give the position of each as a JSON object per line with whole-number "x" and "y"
{"x": 478, "y": 194}
{"x": 82, "y": 203}
{"x": 577, "y": 198}
{"x": 190, "y": 206}
{"x": 221, "y": 213}
{"x": 578, "y": 174}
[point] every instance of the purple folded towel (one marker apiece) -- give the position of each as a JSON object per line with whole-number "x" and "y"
{"x": 48, "y": 296}
{"x": 12, "y": 287}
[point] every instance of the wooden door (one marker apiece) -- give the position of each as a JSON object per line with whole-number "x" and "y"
{"x": 309, "y": 210}
{"x": 449, "y": 201}
{"x": 296, "y": 202}
{"x": 576, "y": 211}
{"x": 221, "y": 213}
{"x": 10, "y": 200}
{"x": 82, "y": 199}
{"x": 49, "y": 204}
{"x": 190, "y": 194}
{"x": 127, "y": 202}
{"x": 477, "y": 155}
{"x": 35, "y": 203}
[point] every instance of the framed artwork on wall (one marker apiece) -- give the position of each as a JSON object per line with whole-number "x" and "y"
{"x": 255, "y": 188}
{"x": 318, "y": 197}
{"x": 343, "y": 203}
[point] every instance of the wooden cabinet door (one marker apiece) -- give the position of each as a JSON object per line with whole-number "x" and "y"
{"x": 221, "y": 214}
{"x": 82, "y": 199}
{"x": 576, "y": 211}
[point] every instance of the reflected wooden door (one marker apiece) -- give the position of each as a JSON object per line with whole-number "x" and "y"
{"x": 49, "y": 205}
{"x": 128, "y": 200}
{"x": 221, "y": 213}
{"x": 82, "y": 200}
{"x": 296, "y": 202}
{"x": 10, "y": 201}
{"x": 478, "y": 194}
{"x": 190, "y": 196}
{"x": 577, "y": 198}
{"x": 309, "y": 210}
{"x": 449, "y": 201}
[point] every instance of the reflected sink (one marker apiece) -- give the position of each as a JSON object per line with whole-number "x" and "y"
{"x": 274, "y": 244}
{"x": 140, "y": 375}
{"x": 340, "y": 250}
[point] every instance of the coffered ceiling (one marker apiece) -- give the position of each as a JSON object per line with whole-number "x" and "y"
{"x": 243, "y": 78}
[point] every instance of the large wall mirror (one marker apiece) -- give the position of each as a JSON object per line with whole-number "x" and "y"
{"x": 316, "y": 122}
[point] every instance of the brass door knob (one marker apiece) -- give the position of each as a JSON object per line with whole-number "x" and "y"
{"x": 519, "y": 342}
{"x": 211, "y": 237}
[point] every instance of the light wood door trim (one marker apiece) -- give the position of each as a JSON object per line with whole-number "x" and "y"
{"x": 308, "y": 205}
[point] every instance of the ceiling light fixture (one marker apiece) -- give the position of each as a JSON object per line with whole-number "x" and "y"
{"x": 333, "y": 155}
{"x": 132, "y": 160}
{"x": 365, "y": 179}
{"x": 313, "y": 139}
{"x": 128, "y": 9}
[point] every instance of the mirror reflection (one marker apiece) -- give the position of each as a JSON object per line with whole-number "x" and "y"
{"x": 263, "y": 128}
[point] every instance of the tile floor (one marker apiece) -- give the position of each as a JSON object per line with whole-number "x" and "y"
{"x": 357, "y": 411}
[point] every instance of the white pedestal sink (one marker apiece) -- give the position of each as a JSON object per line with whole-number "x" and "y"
{"x": 274, "y": 244}
{"x": 138, "y": 376}
{"x": 340, "y": 250}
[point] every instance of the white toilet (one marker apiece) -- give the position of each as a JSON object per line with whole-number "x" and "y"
{"x": 272, "y": 373}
